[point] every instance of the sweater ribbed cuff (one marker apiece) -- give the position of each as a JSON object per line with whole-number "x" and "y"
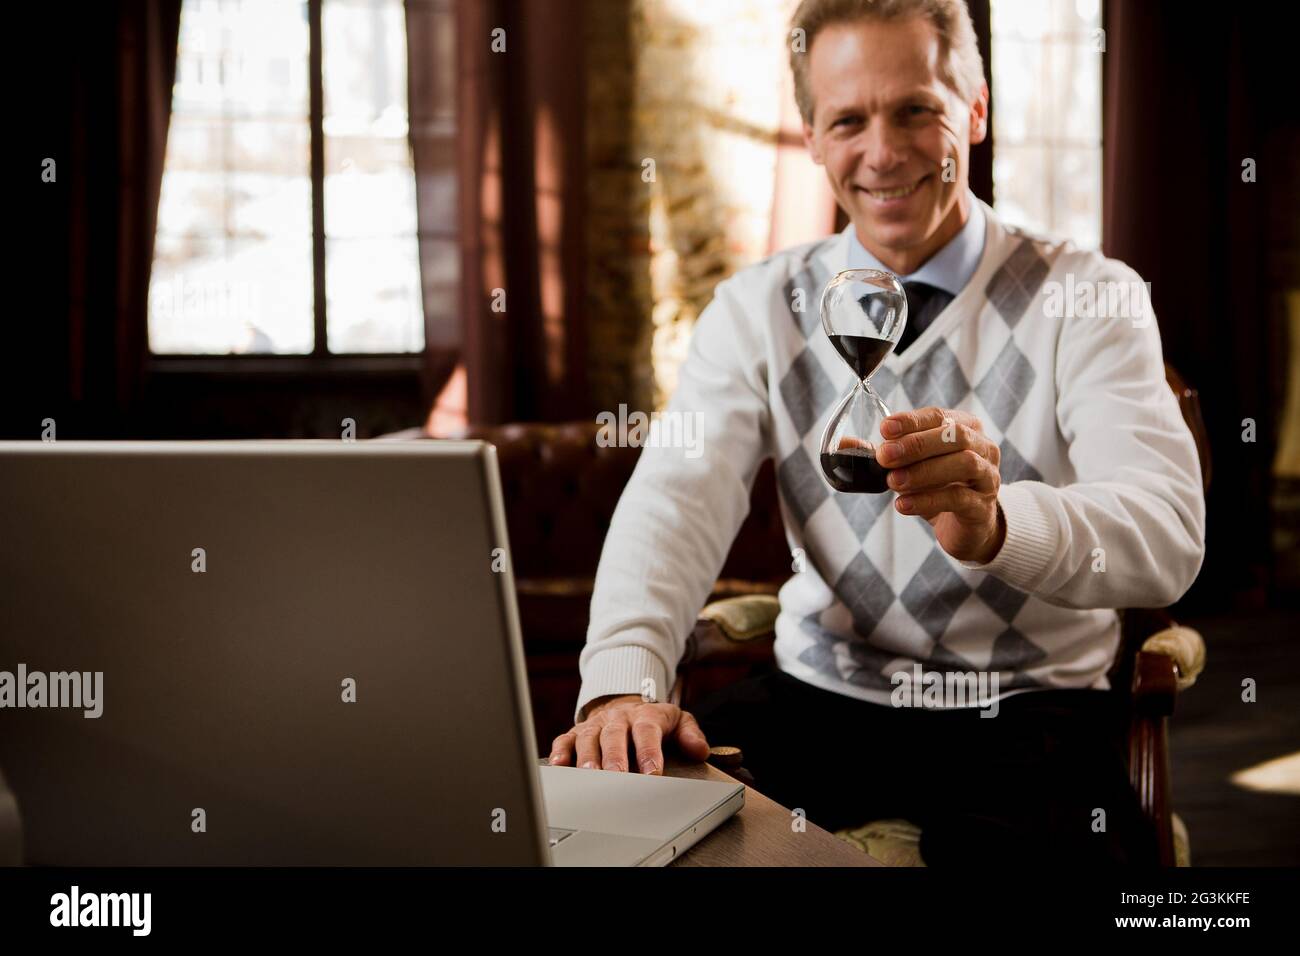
{"x": 1031, "y": 542}
{"x": 621, "y": 670}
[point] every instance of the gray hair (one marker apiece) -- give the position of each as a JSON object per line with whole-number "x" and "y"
{"x": 962, "y": 67}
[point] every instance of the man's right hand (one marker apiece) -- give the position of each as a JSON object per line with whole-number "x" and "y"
{"x": 601, "y": 740}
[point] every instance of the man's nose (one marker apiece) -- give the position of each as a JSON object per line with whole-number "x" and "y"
{"x": 885, "y": 146}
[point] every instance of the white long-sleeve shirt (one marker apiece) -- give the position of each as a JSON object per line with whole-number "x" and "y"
{"x": 1101, "y": 486}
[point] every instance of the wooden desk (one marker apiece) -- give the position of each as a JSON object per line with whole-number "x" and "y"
{"x": 760, "y": 834}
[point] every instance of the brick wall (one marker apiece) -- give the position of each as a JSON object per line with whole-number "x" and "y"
{"x": 695, "y": 88}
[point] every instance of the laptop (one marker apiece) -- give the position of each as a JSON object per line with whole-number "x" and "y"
{"x": 287, "y": 653}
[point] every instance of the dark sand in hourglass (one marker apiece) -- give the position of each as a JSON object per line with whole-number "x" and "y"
{"x": 855, "y": 469}
{"x": 864, "y": 353}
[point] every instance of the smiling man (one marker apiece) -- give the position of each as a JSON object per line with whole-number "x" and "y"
{"x": 1041, "y": 476}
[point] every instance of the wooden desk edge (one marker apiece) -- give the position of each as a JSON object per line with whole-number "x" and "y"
{"x": 761, "y": 833}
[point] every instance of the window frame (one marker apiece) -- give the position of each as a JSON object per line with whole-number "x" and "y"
{"x": 319, "y": 362}
{"x": 1049, "y": 145}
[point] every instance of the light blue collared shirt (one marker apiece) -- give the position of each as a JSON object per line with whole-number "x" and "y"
{"x": 950, "y": 268}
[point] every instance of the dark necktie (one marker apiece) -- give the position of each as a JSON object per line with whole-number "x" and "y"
{"x": 924, "y": 303}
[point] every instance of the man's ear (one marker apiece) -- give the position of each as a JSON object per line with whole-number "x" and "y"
{"x": 810, "y": 140}
{"x": 979, "y": 115}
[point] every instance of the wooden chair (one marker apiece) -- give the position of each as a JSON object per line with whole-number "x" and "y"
{"x": 1156, "y": 660}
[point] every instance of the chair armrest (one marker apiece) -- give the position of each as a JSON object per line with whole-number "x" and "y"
{"x": 1155, "y": 688}
{"x": 1169, "y": 662}
{"x": 744, "y": 618}
{"x": 1185, "y": 647}
{"x": 732, "y": 639}
{"x": 733, "y": 629}
{"x": 1155, "y": 684}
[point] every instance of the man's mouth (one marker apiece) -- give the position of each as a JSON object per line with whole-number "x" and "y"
{"x": 895, "y": 192}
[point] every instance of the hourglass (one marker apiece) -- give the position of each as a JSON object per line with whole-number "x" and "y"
{"x": 863, "y": 314}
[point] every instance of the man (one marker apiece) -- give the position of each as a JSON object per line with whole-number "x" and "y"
{"x": 1041, "y": 478}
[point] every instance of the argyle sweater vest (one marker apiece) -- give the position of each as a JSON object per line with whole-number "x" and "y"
{"x": 1100, "y": 485}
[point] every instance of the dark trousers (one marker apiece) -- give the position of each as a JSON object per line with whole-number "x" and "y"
{"x": 1023, "y": 786}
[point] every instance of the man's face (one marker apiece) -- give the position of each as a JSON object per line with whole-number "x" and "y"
{"x": 883, "y": 125}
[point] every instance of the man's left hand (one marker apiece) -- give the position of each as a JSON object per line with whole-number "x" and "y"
{"x": 945, "y": 470}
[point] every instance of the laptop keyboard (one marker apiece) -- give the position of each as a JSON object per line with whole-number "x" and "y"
{"x": 557, "y": 835}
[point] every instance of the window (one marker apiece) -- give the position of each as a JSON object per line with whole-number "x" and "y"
{"x": 1047, "y": 159}
{"x": 287, "y": 220}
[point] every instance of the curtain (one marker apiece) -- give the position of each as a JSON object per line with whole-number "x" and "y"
{"x": 1182, "y": 109}
{"x": 520, "y": 162}
{"x": 431, "y": 103}
{"x": 111, "y": 101}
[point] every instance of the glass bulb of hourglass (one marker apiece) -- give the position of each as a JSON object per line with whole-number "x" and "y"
{"x": 863, "y": 312}
{"x": 848, "y": 455}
